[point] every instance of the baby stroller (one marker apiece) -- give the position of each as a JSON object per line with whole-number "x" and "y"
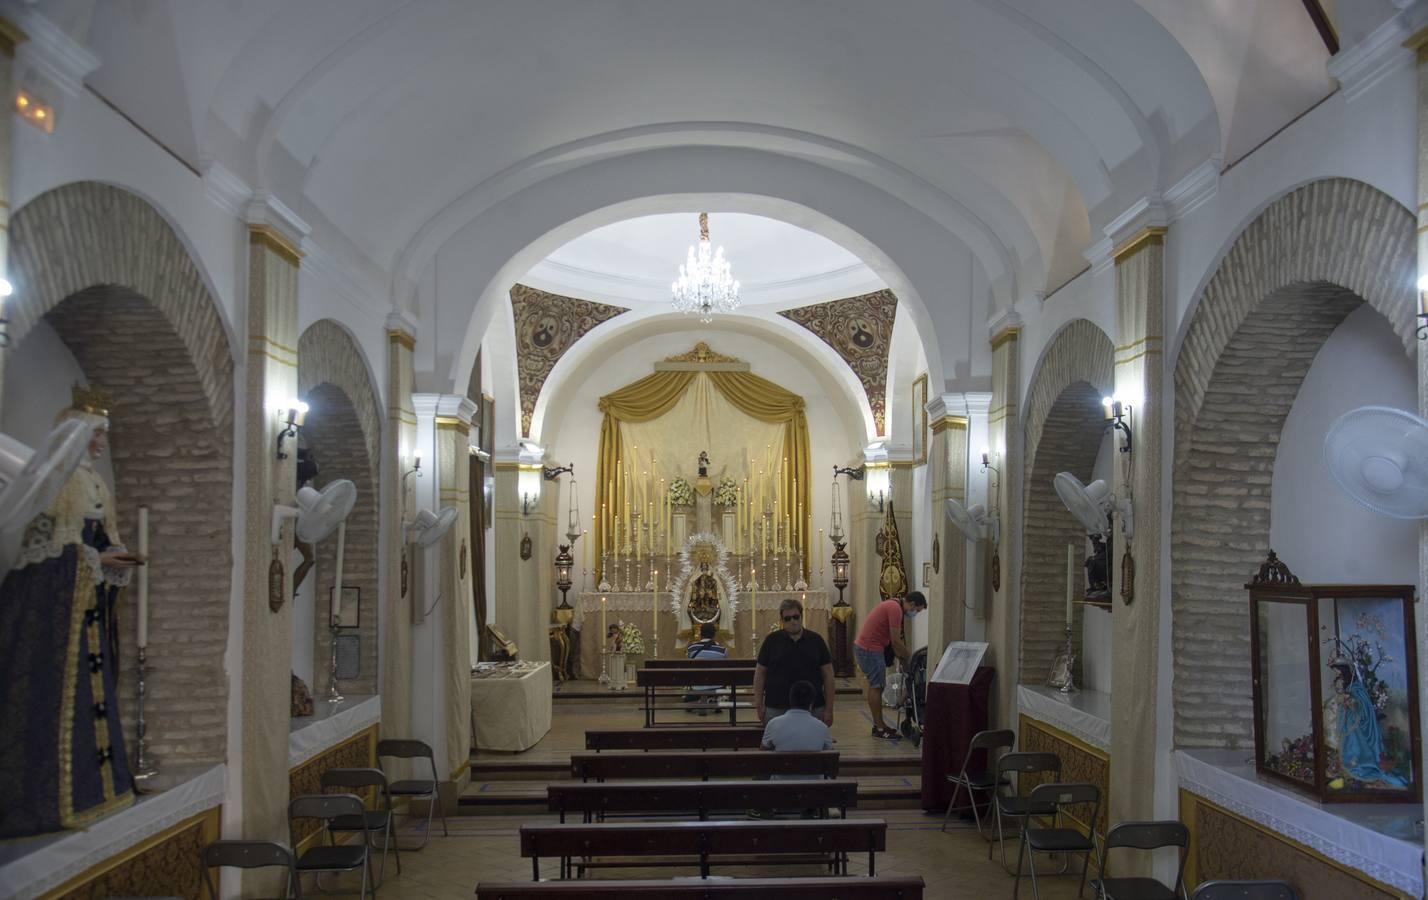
{"x": 914, "y": 696}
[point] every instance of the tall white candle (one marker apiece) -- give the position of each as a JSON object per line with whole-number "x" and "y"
{"x": 1070, "y": 580}
{"x": 143, "y": 614}
{"x": 337, "y": 577}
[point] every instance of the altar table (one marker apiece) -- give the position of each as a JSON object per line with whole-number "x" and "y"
{"x": 510, "y": 710}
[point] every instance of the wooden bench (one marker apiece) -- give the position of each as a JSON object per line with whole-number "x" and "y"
{"x": 825, "y": 841}
{"x": 879, "y": 887}
{"x": 714, "y": 662}
{"x": 728, "y": 680}
{"x": 722, "y": 737}
{"x": 699, "y": 798}
{"x": 749, "y": 764}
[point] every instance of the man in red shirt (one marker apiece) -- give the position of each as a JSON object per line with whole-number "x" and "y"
{"x": 882, "y": 628}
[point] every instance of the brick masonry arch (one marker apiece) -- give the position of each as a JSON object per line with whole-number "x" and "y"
{"x": 344, "y": 429}
{"x": 1064, "y": 429}
{"x": 1288, "y": 280}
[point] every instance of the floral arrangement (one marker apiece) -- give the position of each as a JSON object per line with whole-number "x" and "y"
{"x": 1354, "y": 659}
{"x": 681, "y": 493}
{"x": 726, "y": 495}
{"x": 631, "y": 640}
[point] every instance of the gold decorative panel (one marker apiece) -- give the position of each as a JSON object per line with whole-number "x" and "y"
{"x": 1080, "y": 763}
{"x": 165, "y": 865}
{"x": 1227, "y": 846}
{"x": 357, "y": 752}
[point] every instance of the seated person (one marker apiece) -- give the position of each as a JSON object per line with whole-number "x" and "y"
{"x": 797, "y": 728}
{"x": 705, "y": 648}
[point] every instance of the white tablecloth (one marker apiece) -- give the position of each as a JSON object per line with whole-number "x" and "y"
{"x": 511, "y": 713}
{"x": 330, "y": 725}
{"x": 1084, "y": 714}
{"x": 1377, "y": 839}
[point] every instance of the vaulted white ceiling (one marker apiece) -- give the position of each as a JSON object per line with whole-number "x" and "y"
{"x": 1020, "y": 127}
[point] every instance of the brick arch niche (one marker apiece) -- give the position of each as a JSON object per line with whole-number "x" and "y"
{"x": 106, "y": 272}
{"x": 1290, "y": 278}
{"x": 1065, "y": 427}
{"x": 343, "y": 430}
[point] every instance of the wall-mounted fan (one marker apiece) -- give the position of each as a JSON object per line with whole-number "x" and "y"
{"x": 30, "y": 480}
{"x": 423, "y": 532}
{"x": 1379, "y": 456}
{"x": 975, "y": 522}
{"x": 1093, "y": 504}
{"x": 318, "y": 513}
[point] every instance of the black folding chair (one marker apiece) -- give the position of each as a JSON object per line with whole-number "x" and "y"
{"x": 331, "y": 857}
{"x": 1143, "y": 836}
{"x": 415, "y": 788}
{"x": 1246, "y": 890}
{"x": 1011, "y": 768}
{"x": 1059, "y": 837}
{"x": 373, "y": 821}
{"x": 983, "y": 778}
{"x": 249, "y": 855}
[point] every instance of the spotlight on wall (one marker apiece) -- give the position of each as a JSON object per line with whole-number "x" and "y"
{"x": 35, "y": 111}
{"x": 1118, "y": 413}
{"x": 290, "y": 419}
{"x": 1423, "y": 308}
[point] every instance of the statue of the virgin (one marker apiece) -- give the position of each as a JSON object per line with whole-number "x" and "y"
{"x": 62, "y": 758}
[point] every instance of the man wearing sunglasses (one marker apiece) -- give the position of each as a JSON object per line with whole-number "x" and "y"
{"x": 788, "y": 656}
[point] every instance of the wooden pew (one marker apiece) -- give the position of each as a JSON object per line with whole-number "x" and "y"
{"x": 728, "y": 663}
{"x": 721, "y": 737}
{"x": 749, "y": 764}
{"x": 722, "y": 843}
{"x": 730, "y": 679}
{"x": 698, "y": 798}
{"x": 879, "y": 887}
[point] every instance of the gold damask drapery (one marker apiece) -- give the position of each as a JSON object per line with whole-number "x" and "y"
{"x": 656, "y": 394}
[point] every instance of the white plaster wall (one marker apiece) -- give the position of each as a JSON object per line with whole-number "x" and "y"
{"x": 304, "y": 623}
{"x": 576, "y": 436}
{"x": 1321, "y": 533}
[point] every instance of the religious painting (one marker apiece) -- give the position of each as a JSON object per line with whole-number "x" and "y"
{"x": 959, "y": 662}
{"x": 347, "y": 614}
{"x": 860, "y": 330}
{"x": 927, "y": 574}
{"x": 547, "y": 325}
{"x": 919, "y": 419}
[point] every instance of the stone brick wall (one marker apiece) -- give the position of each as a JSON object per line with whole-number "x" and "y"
{"x": 170, "y": 454}
{"x": 1064, "y": 426}
{"x": 1289, "y": 279}
{"x": 344, "y": 430}
{"x": 335, "y": 437}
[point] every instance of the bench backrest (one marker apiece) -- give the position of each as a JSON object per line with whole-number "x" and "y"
{"x": 712, "y": 661}
{"x": 694, "y": 674}
{"x": 700, "y": 796}
{"x": 724, "y": 737}
{"x": 714, "y": 838}
{"x": 585, "y": 765}
{"x": 881, "y": 887}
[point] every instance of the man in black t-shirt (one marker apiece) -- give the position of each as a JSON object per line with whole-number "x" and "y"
{"x": 787, "y": 657}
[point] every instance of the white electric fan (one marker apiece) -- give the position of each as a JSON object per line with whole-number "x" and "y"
{"x": 424, "y": 532}
{"x": 30, "y": 480}
{"x": 318, "y": 513}
{"x": 1093, "y": 504}
{"x": 1379, "y": 456}
{"x": 975, "y": 523}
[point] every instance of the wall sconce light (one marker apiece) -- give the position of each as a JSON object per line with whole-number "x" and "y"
{"x": 290, "y": 420}
{"x": 877, "y": 480}
{"x": 553, "y": 474}
{"x": 855, "y": 474}
{"x": 36, "y": 112}
{"x": 1423, "y": 308}
{"x": 6, "y": 289}
{"x": 528, "y": 482}
{"x": 1118, "y": 418}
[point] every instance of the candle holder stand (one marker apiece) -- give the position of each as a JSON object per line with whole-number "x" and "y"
{"x": 1063, "y": 667}
{"x": 605, "y": 587}
{"x": 334, "y": 696}
{"x": 144, "y": 769}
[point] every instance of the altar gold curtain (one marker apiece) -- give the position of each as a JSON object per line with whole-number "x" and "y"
{"x": 657, "y": 394}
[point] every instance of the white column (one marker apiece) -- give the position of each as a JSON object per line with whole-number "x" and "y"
{"x": 979, "y": 404}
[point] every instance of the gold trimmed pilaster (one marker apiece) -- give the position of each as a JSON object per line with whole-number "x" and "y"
{"x": 399, "y": 441}
{"x": 947, "y": 594}
{"x": 1004, "y": 439}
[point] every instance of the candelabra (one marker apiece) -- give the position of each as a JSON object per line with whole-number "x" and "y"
{"x": 605, "y": 587}
{"x": 1065, "y": 682}
{"x": 334, "y": 696}
{"x": 144, "y": 769}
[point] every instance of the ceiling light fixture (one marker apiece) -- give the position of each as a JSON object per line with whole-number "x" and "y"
{"x": 705, "y": 285}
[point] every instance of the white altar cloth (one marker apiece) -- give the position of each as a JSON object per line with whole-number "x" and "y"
{"x": 30, "y": 868}
{"x": 1377, "y": 839}
{"x": 329, "y": 725}
{"x": 512, "y": 709}
{"x": 1084, "y": 714}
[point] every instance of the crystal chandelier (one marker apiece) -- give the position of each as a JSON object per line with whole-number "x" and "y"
{"x": 705, "y": 285}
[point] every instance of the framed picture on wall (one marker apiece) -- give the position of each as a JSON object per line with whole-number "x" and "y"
{"x": 349, "y": 615}
{"x": 919, "y": 419}
{"x": 927, "y": 574}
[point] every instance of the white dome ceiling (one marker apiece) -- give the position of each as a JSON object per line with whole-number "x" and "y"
{"x": 634, "y": 261}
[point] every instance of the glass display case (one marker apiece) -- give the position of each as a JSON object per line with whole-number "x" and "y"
{"x": 1335, "y": 687}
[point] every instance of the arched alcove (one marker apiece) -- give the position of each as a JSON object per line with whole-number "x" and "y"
{"x": 1065, "y": 431}
{"x": 1287, "y": 282}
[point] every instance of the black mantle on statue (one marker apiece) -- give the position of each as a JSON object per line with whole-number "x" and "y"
{"x": 954, "y": 713}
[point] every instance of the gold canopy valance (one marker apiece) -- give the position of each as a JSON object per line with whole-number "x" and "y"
{"x": 656, "y": 394}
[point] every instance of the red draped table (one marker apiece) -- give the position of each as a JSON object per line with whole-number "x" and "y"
{"x": 954, "y": 713}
